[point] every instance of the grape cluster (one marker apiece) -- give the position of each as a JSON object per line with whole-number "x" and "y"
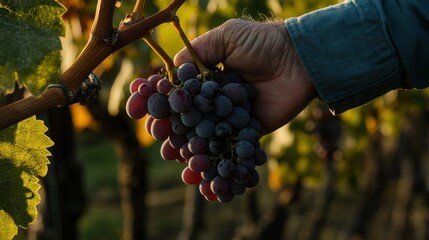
{"x": 204, "y": 123}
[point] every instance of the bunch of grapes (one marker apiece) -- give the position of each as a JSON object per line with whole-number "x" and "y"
{"x": 205, "y": 124}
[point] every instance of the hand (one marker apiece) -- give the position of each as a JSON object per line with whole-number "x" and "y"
{"x": 263, "y": 54}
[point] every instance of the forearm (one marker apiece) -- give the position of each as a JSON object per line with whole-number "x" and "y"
{"x": 351, "y": 55}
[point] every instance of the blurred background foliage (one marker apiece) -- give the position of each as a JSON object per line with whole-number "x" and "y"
{"x": 360, "y": 175}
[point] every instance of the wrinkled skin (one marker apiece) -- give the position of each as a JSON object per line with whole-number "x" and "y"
{"x": 264, "y": 55}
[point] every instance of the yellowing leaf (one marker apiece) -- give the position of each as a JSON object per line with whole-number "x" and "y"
{"x": 23, "y": 158}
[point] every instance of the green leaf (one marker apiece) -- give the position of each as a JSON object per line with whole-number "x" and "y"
{"x": 29, "y": 44}
{"x": 23, "y": 158}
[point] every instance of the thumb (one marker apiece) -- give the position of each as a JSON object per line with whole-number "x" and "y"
{"x": 209, "y": 48}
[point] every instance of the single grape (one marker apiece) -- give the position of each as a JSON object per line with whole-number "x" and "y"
{"x": 235, "y": 92}
{"x": 134, "y": 85}
{"x": 210, "y": 88}
{"x": 148, "y": 124}
{"x": 199, "y": 162}
{"x": 206, "y": 191}
{"x": 244, "y": 149}
{"x": 204, "y": 103}
{"x": 253, "y": 123}
{"x": 225, "y": 198}
{"x": 145, "y": 89}
{"x": 249, "y": 163}
{"x": 210, "y": 173}
{"x": 220, "y": 185}
{"x": 168, "y": 152}
{"x": 184, "y": 152}
{"x": 163, "y": 86}
{"x": 158, "y": 106}
{"x": 226, "y": 167}
{"x": 205, "y": 128}
{"x": 187, "y": 71}
{"x": 223, "y": 130}
{"x": 177, "y": 140}
{"x": 197, "y": 145}
{"x": 154, "y": 79}
{"x": 190, "y": 177}
{"x": 136, "y": 106}
{"x": 161, "y": 129}
{"x": 239, "y": 117}
{"x": 191, "y": 117}
{"x": 193, "y": 86}
{"x": 216, "y": 145}
{"x": 176, "y": 124}
{"x": 180, "y": 100}
{"x": 223, "y": 106}
{"x": 249, "y": 134}
{"x": 253, "y": 179}
{"x": 260, "y": 156}
{"x": 241, "y": 174}
{"x": 237, "y": 189}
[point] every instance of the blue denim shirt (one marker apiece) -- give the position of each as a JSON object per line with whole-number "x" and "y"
{"x": 358, "y": 50}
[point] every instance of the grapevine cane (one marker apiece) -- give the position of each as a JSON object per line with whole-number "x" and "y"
{"x": 103, "y": 41}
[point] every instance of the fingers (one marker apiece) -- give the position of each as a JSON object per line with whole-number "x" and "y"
{"x": 208, "y": 47}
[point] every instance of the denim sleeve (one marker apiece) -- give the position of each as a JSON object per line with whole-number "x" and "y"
{"x": 358, "y": 50}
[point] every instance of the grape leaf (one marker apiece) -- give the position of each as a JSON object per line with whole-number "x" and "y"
{"x": 30, "y": 44}
{"x": 23, "y": 158}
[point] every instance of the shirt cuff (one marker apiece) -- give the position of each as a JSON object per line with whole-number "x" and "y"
{"x": 347, "y": 54}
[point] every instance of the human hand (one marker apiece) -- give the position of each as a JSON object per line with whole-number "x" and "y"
{"x": 263, "y": 54}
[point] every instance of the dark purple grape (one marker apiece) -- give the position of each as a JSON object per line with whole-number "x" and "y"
{"x": 235, "y": 92}
{"x": 253, "y": 179}
{"x": 158, "y": 106}
{"x": 210, "y": 173}
{"x": 223, "y": 130}
{"x": 237, "y": 189}
{"x": 197, "y": 145}
{"x": 177, "y": 140}
{"x": 190, "y": 177}
{"x": 176, "y": 124}
{"x": 241, "y": 174}
{"x": 249, "y": 163}
{"x": 260, "y": 156}
{"x": 220, "y": 185}
{"x": 180, "y": 100}
{"x": 244, "y": 149}
{"x": 204, "y": 103}
{"x": 216, "y": 145}
{"x": 191, "y": 117}
{"x": 239, "y": 117}
{"x": 193, "y": 86}
{"x": 184, "y": 152}
{"x": 225, "y": 198}
{"x": 249, "y": 134}
{"x": 205, "y": 128}
{"x": 223, "y": 106}
{"x": 187, "y": 71}
{"x": 226, "y": 167}
{"x": 210, "y": 88}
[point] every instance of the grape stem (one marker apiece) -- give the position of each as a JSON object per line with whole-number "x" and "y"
{"x": 205, "y": 72}
{"x": 104, "y": 40}
{"x": 169, "y": 65}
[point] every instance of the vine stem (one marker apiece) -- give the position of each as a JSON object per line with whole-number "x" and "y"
{"x": 104, "y": 40}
